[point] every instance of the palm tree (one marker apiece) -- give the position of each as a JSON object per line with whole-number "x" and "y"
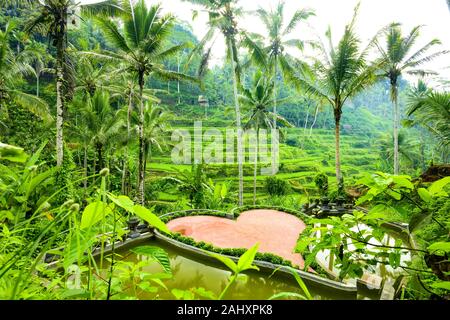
{"x": 339, "y": 73}
{"x": 223, "y": 15}
{"x": 156, "y": 129}
{"x": 38, "y": 59}
{"x": 408, "y": 149}
{"x": 51, "y": 18}
{"x": 127, "y": 89}
{"x": 432, "y": 110}
{"x": 141, "y": 51}
{"x": 103, "y": 125}
{"x": 259, "y": 99}
{"x": 397, "y": 59}
{"x": 278, "y": 41}
{"x": 12, "y": 66}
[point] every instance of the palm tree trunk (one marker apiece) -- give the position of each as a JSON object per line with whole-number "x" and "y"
{"x": 238, "y": 127}
{"x": 85, "y": 168}
{"x": 274, "y": 113}
{"x": 396, "y": 118}
{"x": 37, "y": 86}
{"x": 141, "y": 170}
{"x": 59, "y": 109}
{"x": 315, "y": 119}
{"x": 178, "y": 81}
{"x": 125, "y": 173}
{"x": 337, "y": 119}
{"x": 255, "y": 170}
{"x": 100, "y": 157}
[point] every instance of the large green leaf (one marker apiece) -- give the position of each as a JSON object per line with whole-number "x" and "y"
{"x": 439, "y": 247}
{"x": 93, "y": 213}
{"x": 146, "y": 215}
{"x": 155, "y": 253}
{"x": 301, "y": 284}
{"x": 12, "y": 153}
{"x": 424, "y": 195}
{"x": 441, "y": 285}
{"x": 246, "y": 260}
{"x": 225, "y": 260}
{"x": 74, "y": 250}
{"x": 436, "y": 189}
{"x": 403, "y": 181}
{"x": 123, "y": 202}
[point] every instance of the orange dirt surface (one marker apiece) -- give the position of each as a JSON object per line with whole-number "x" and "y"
{"x": 276, "y": 232}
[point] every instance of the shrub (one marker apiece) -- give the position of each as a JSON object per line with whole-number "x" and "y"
{"x": 276, "y": 186}
{"x": 321, "y": 182}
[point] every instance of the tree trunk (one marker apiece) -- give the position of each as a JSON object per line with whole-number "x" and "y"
{"x": 274, "y": 171}
{"x": 396, "y": 124}
{"x": 141, "y": 171}
{"x": 100, "y": 158}
{"x": 238, "y": 127}
{"x": 125, "y": 173}
{"x": 37, "y": 85}
{"x": 178, "y": 81}
{"x": 85, "y": 168}
{"x": 255, "y": 170}
{"x": 337, "y": 119}
{"x": 315, "y": 119}
{"x": 59, "y": 108}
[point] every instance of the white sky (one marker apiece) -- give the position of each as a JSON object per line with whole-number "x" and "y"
{"x": 373, "y": 15}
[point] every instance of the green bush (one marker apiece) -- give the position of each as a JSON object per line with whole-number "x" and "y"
{"x": 276, "y": 186}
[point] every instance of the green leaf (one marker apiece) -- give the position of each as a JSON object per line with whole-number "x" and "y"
{"x": 123, "y": 202}
{"x": 283, "y": 295}
{"x": 150, "y": 217}
{"x": 225, "y": 260}
{"x": 439, "y": 246}
{"x": 75, "y": 293}
{"x": 246, "y": 260}
{"x": 301, "y": 284}
{"x": 424, "y": 195}
{"x": 183, "y": 294}
{"x": 397, "y": 196}
{"x": 302, "y": 244}
{"x": 202, "y": 292}
{"x": 93, "y": 213}
{"x": 436, "y": 189}
{"x": 441, "y": 285}
{"x": 12, "y": 153}
{"x": 403, "y": 181}
{"x": 155, "y": 253}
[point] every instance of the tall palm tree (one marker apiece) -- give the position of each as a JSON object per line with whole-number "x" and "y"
{"x": 126, "y": 88}
{"x": 104, "y": 126}
{"x": 279, "y": 39}
{"x": 51, "y": 18}
{"x": 432, "y": 110}
{"x": 338, "y": 74}
{"x": 156, "y": 129}
{"x": 397, "y": 58}
{"x": 223, "y": 15}
{"x": 12, "y": 66}
{"x": 141, "y": 50}
{"x": 39, "y": 60}
{"x": 259, "y": 99}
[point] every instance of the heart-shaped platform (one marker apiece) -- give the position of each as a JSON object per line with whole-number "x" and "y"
{"x": 275, "y": 231}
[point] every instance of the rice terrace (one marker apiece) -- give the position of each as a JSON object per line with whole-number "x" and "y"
{"x": 224, "y": 150}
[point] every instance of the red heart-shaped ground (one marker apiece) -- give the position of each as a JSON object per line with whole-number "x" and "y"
{"x": 276, "y": 232}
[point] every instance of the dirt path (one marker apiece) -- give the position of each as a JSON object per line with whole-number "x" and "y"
{"x": 275, "y": 231}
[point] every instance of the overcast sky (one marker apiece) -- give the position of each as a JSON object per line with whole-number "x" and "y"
{"x": 374, "y": 14}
